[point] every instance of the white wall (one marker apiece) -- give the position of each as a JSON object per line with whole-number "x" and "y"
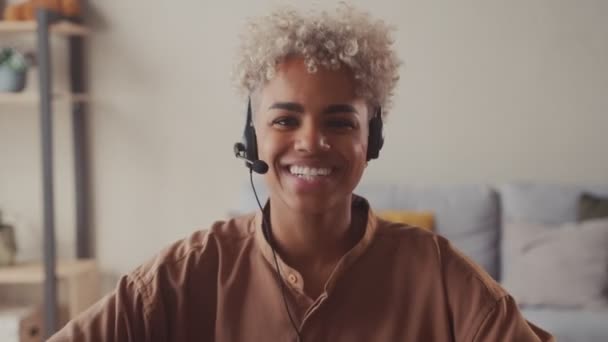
{"x": 491, "y": 91}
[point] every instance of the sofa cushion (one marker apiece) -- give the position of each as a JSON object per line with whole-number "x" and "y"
{"x": 542, "y": 203}
{"x": 420, "y": 219}
{"x": 560, "y": 266}
{"x": 571, "y": 325}
{"x": 591, "y": 207}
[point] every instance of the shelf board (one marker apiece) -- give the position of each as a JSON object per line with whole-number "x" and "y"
{"x": 63, "y": 27}
{"x": 33, "y": 98}
{"x": 33, "y": 273}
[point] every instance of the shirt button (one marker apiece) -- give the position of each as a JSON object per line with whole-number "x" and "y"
{"x": 292, "y": 278}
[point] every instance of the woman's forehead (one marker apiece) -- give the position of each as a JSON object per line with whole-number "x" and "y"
{"x": 294, "y": 83}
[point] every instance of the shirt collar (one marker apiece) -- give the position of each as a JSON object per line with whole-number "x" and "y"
{"x": 358, "y": 204}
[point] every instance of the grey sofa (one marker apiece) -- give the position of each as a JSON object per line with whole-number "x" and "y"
{"x": 471, "y": 217}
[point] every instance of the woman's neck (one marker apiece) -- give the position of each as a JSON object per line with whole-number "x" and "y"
{"x": 311, "y": 240}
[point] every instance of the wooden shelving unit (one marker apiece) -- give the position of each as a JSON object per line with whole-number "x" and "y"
{"x": 64, "y": 27}
{"x": 81, "y": 278}
{"x": 33, "y": 273}
{"x": 81, "y": 274}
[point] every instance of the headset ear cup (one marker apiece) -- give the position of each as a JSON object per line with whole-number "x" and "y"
{"x": 372, "y": 142}
{"x": 376, "y": 138}
{"x": 251, "y": 143}
{"x": 249, "y": 137}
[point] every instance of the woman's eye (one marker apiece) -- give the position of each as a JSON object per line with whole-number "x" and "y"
{"x": 341, "y": 124}
{"x": 285, "y": 122}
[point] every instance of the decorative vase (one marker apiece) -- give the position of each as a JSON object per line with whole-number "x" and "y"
{"x": 12, "y": 81}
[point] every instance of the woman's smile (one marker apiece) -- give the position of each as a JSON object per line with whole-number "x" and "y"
{"x": 306, "y": 177}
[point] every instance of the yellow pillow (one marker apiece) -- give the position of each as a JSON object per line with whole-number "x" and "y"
{"x": 421, "y": 219}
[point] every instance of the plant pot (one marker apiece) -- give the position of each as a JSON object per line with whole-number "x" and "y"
{"x": 12, "y": 81}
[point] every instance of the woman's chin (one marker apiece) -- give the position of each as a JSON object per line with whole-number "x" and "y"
{"x": 315, "y": 203}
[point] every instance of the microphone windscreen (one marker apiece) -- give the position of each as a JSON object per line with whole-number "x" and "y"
{"x": 260, "y": 167}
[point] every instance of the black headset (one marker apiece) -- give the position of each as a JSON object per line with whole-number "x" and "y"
{"x": 248, "y": 149}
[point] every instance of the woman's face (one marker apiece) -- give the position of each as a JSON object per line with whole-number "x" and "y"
{"x": 312, "y": 130}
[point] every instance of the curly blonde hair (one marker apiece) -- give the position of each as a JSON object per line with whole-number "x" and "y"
{"x": 347, "y": 37}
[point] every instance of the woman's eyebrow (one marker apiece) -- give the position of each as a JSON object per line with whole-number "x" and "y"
{"x": 340, "y": 108}
{"x": 290, "y": 106}
{"x": 298, "y": 108}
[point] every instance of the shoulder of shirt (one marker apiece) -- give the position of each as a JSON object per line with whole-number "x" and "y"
{"x": 199, "y": 243}
{"x": 449, "y": 257}
{"x": 403, "y": 234}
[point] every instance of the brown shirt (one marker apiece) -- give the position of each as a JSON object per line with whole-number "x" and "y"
{"x": 397, "y": 284}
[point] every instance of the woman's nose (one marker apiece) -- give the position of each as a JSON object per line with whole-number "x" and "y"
{"x": 310, "y": 138}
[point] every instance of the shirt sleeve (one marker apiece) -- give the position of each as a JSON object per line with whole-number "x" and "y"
{"x": 480, "y": 309}
{"x": 118, "y": 317}
{"x": 504, "y": 322}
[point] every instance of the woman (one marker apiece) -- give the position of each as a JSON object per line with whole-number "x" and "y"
{"x": 315, "y": 264}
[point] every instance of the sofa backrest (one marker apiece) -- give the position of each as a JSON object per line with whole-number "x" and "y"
{"x": 543, "y": 203}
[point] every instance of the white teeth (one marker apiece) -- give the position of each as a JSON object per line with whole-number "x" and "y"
{"x": 308, "y": 172}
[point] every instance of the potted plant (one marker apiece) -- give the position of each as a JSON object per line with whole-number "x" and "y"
{"x": 13, "y": 69}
